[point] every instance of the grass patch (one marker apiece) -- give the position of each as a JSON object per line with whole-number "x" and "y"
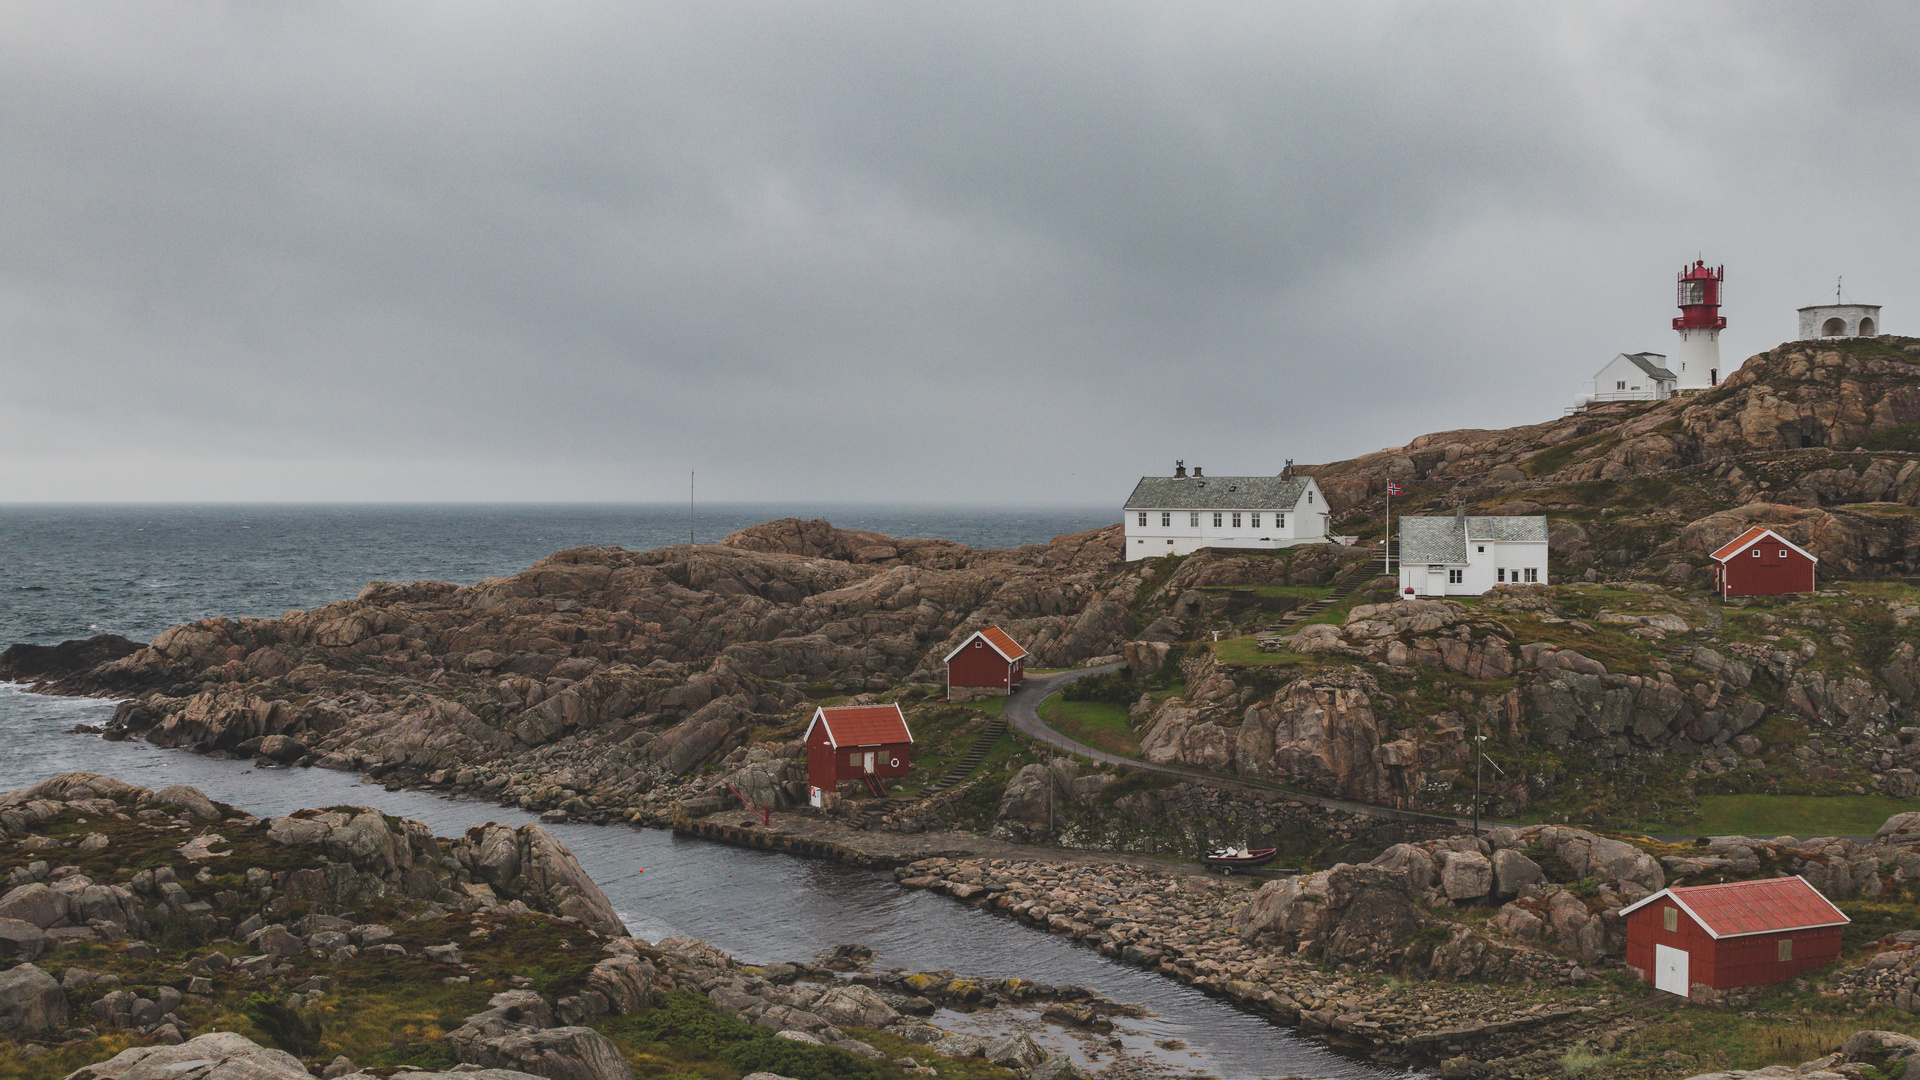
{"x": 1904, "y": 437}
{"x": 1246, "y": 652}
{"x": 1798, "y": 815}
{"x": 1098, "y": 724}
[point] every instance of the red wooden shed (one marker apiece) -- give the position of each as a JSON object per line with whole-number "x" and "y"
{"x": 1742, "y": 933}
{"x": 988, "y": 664}
{"x": 869, "y": 743}
{"x": 1761, "y": 562}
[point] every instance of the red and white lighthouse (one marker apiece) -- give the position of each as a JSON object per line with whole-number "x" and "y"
{"x": 1697, "y": 361}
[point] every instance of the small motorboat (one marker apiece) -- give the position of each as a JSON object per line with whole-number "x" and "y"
{"x": 1227, "y": 860}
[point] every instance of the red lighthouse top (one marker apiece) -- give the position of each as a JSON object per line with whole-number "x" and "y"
{"x": 1699, "y": 297}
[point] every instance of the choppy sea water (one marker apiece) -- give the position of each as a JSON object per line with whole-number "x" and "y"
{"x": 74, "y": 571}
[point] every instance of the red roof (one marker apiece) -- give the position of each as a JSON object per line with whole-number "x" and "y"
{"x": 862, "y": 725}
{"x": 1747, "y": 539}
{"x": 1002, "y": 643}
{"x": 1766, "y": 906}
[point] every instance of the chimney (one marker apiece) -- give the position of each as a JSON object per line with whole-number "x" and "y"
{"x": 1460, "y": 514}
{"x": 1196, "y": 470}
{"x": 1287, "y": 473}
{"x": 1179, "y": 470}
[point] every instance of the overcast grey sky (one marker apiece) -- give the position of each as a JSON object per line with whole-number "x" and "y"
{"x": 1004, "y": 253}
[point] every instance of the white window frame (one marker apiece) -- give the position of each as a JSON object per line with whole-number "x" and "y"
{"x": 1500, "y": 575}
{"x": 1456, "y": 577}
{"x": 1236, "y": 520}
{"x": 1256, "y": 519}
{"x": 1279, "y": 521}
{"x": 1533, "y": 575}
{"x": 1216, "y": 520}
{"x": 1143, "y": 519}
{"x": 1166, "y": 519}
{"x": 1193, "y": 519}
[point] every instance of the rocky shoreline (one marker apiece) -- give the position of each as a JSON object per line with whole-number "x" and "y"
{"x": 160, "y": 916}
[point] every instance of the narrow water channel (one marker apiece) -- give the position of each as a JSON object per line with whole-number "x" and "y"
{"x": 760, "y": 906}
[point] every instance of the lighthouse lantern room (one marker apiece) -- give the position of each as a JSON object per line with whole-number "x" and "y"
{"x": 1696, "y": 363}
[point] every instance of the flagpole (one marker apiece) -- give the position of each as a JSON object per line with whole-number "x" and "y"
{"x": 1386, "y": 539}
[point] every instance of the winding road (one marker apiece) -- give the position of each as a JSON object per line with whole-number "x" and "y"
{"x": 1022, "y": 710}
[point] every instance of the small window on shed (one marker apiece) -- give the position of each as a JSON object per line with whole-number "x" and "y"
{"x": 853, "y": 758}
{"x": 1670, "y": 918}
{"x": 978, "y": 644}
{"x": 1783, "y": 553}
{"x": 1786, "y": 948}
{"x": 1756, "y": 553}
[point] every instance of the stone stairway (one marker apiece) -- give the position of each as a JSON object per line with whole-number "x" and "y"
{"x": 965, "y": 766}
{"x": 1358, "y": 575}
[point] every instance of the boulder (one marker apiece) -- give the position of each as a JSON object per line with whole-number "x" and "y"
{"x": 34, "y": 903}
{"x": 1513, "y": 871}
{"x": 1465, "y": 875}
{"x": 235, "y": 1055}
{"x": 1017, "y": 1051}
{"x": 528, "y": 864}
{"x": 185, "y": 799}
{"x": 561, "y": 1053}
{"x": 282, "y": 748}
{"x": 31, "y": 1003}
{"x": 21, "y": 940}
{"x": 854, "y": 1005}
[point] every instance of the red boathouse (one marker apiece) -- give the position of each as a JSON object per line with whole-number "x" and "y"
{"x": 869, "y": 743}
{"x": 1742, "y": 933}
{"x": 1761, "y": 562}
{"x": 988, "y": 664}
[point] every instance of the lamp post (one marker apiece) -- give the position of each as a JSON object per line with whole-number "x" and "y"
{"x": 1478, "y": 741}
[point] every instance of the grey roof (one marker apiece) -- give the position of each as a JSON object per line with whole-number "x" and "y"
{"x": 1657, "y": 371}
{"x": 1441, "y": 539}
{"x": 1216, "y": 493}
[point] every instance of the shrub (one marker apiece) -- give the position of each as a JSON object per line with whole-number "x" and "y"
{"x": 694, "y": 1023}
{"x": 291, "y": 1030}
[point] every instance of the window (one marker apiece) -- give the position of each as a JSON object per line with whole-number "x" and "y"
{"x": 1139, "y": 541}
{"x": 1193, "y": 519}
{"x": 1786, "y": 948}
{"x": 1501, "y": 574}
{"x": 1216, "y": 521}
{"x": 1143, "y": 518}
{"x": 1533, "y": 575}
{"x": 1166, "y": 520}
{"x": 1236, "y": 523}
{"x": 1454, "y": 577}
{"x": 1670, "y": 919}
{"x": 978, "y": 644}
{"x": 1620, "y": 385}
{"x": 1783, "y": 553}
{"x": 1309, "y": 496}
{"x": 1169, "y": 541}
{"x": 1256, "y": 521}
{"x": 1279, "y": 521}
{"x": 1756, "y": 553}
{"x": 853, "y": 758}
{"x": 1480, "y": 549}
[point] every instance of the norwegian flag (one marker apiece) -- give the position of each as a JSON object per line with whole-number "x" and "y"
{"x": 1395, "y": 489}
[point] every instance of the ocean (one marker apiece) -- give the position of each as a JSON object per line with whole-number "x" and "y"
{"x": 75, "y": 571}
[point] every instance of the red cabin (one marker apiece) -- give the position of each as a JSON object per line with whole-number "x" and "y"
{"x": 988, "y": 664}
{"x": 1743, "y": 933}
{"x": 868, "y": 743}
{"x": 1761, "y": 562}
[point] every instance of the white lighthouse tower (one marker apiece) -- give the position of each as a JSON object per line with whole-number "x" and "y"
{"x": 1696, "y": 362}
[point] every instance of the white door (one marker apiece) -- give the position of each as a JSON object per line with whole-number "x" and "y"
{"x": 1670, "y": 970}
{"x": 869, "y": 762}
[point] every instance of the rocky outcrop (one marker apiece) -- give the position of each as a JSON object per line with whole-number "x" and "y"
{"x": 1349, "y": 914}
{"x": 227, "y": 1055}
{"x": 46, "y": 663}
{"x": 616, "y": 669}
{"x": 529, "y": 865}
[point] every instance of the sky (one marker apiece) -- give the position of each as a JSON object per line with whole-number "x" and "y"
{"x": 970, "y": 253}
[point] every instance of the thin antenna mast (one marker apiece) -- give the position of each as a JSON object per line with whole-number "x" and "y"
{"x": 1837, "y": 282}
{"x": 689, "y": 506}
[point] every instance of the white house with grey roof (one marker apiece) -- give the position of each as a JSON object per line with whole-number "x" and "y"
{"x": 1182, "y": 513}
{"x": 1465, "y": 556}
{"x": 1639, "y": 376}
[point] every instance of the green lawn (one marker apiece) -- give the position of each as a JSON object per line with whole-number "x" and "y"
{"x": 991, "y": 706}
{"x": 1094, "y": 723}
{"x": 1797, "y": 815}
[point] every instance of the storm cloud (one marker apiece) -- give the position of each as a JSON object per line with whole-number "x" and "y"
{"x": 995, "y": 253}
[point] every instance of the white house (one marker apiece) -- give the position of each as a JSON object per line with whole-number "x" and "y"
{"x": 1641, "y": 376}
{"x": 1466, "y": 556}
{"x": 1180, "y": 514}
{"x": 1839, "y": 320}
